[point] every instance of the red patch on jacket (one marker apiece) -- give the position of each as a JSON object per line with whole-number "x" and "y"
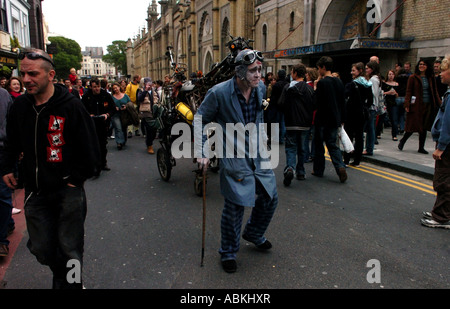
{"x": 54, "y": 154}
{"x": 56, "y": 123}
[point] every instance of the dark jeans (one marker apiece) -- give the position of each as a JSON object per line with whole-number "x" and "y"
{"x": 55, "y": 223}
{"x": 150, "y": 133}
{"x": 6, "y": 221}
{"x": 441, "y": 184}
{"x": 329, "y": 137}
{"x": 400, "y": 112}
{"x": 101, "y": 127}
{"x": 393, "y": 117}
{"x": 355, "y": 132}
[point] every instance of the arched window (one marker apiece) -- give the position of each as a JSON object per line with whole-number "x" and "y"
{"x": 224, "y": 38}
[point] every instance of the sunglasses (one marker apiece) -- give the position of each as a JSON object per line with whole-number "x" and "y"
{"x": 251, "y": 57}
{"x": 35, "y": 56}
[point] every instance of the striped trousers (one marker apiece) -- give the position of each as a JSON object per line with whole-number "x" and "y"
{"x": 255, "y": 228}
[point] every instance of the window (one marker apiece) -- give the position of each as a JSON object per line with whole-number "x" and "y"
{"x": 3, "y": 17}
{"x": 264, "y": 38}
{"x": 291, "y": 21}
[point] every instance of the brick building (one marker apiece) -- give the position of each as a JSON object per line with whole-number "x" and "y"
{"x": 290, "y": 31}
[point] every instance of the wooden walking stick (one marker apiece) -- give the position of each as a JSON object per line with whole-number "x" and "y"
{"x": 204, "y": 214}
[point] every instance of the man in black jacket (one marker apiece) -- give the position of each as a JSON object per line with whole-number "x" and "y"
{"x": 101, "y": 106}
{"x": 297, "y": 104}
{"x": 55, "y": 136}
{"x": 330, "y": 115}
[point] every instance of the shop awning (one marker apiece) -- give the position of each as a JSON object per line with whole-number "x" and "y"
{"x": 340, "y": 46}
{"x": 8, "y": 59}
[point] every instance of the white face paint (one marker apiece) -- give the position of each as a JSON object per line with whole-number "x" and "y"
{"x": 253, "y": 76}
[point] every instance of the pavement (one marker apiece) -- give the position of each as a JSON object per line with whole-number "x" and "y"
{"x": 387, "y": 154}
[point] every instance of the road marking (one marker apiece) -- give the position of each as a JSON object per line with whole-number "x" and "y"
{"x": 401, "y": 180}
{"x": 392, "y": 177}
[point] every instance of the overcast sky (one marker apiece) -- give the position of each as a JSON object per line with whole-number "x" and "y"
{"x": 95, "y": 23}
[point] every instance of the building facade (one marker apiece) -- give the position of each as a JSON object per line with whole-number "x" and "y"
{"x": 291, "y": 31}
{"x": 197, "y": 32}
{"x": 92, "y": 65}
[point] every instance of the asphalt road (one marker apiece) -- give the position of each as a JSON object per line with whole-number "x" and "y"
{"x": 144, "y": 233}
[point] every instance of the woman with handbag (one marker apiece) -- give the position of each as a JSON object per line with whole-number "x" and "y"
{"x": 147, "y": 99}
{"x": 421, "y": 104}
{"x": 358, "y": 94}
{"x": 121, "y": 100}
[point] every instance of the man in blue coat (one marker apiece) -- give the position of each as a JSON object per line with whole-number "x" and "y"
{"x": 246, "y": 175}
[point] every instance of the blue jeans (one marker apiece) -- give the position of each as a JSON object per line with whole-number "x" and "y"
{"x": 119, "y": 131}
{"x": 309, "y": 150}
{"x": 329, "y": 137}
{"x": 370, "y": 130}
{"x": 295, "y": 150}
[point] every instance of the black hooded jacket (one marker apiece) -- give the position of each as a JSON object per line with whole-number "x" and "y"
{"x": 57, "y": 139}
{"x": 297, "y": 104}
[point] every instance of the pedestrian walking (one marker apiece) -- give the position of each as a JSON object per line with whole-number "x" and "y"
{"x": 56, "y": 136}
{"x": 421, "y": 104}
{"x": 101, "y": 107}
{"x": 6, "y": 221}
{"x": 389, "y": 87}
{"x": 373, "y": 74}
{"x": 297, "y": 104}
{"x": 120, "y": 100}
{"x": 131, "y": 91}
{"x": 330, "y": 115}
{"x": 147, "y": 100}
{"x": 359, "y": 99}
{"x": 440, "y": 215}
{"x": 245, "y": 181}
{"x": 272, "y": 114}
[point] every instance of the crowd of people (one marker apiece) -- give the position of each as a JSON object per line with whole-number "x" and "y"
{"x": 311, "y": 105}
{"x": 404, "y": 101}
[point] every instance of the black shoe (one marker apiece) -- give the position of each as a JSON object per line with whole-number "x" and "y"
{"x": 421, "y": 150}
{"x": 264, "y": 246}
{"x": 119, "y": 146}
{"x": 300, "y": 177}
{"x": 288, "y": 176}
{"x": 229, "y": 266}
{"x": 316, "y": 174}
{"x": 106, "y": 168}
{"x": 267, "y": 245}
{"x": 401, "y": 144}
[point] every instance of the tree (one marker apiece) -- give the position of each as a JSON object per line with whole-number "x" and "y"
{"x": 117, "y": 56}
{"x": 67, "y": 56}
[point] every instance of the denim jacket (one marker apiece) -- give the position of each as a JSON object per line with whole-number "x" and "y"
{"x": 441, "y": 127}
